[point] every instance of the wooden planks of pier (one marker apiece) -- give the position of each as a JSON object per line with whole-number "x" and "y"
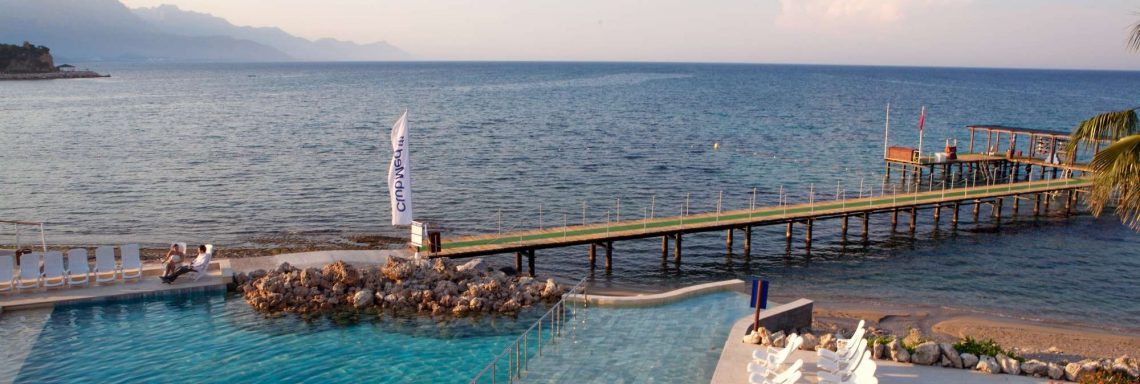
{"x": 673, "y": 229}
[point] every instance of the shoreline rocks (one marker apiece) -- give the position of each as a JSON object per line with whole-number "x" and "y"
{"x": 435, "y": 288}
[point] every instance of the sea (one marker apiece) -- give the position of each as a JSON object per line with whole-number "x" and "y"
{"x": 234, "y": 153}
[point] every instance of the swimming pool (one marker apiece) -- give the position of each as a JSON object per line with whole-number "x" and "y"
{"x": 216, "y": 337}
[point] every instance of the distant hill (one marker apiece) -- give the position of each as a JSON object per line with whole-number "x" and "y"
{"x": 83, "y": 30}
{"x": 171, "y": 19}
{"x": 26, "y": 58}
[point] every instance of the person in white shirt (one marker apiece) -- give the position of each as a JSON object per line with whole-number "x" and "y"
{"x": 199, "y": 265}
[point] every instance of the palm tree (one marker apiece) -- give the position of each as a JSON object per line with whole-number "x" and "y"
{"x": 1116, "y": 168}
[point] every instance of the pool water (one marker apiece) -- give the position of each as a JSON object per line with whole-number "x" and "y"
{"x": 215, "y": 337}
{"x": 679, "y": 342}
{"x": 218, "y": 338}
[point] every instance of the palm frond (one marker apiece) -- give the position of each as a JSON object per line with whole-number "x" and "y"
{"x": 1134, "y": 38}
{"x": 1117, "y": 171}
{"x": 1105, "y": 126}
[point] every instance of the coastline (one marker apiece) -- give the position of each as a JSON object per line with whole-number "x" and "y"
{"x": 1044, "y": 340}
{"x": 51, "y": 75}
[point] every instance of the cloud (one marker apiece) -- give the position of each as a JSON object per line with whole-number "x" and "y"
{"x": 815, "y": 14}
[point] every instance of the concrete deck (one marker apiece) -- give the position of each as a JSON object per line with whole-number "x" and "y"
{"x": 735, "y": 356}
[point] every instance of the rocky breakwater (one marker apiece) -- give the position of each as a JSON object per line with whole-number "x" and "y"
{"x": 438, "y": 288}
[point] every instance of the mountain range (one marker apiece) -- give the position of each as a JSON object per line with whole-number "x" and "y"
{"x": 85, "y": 30}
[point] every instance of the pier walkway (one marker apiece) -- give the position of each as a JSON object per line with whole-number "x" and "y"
{"x": 524, "y": 243}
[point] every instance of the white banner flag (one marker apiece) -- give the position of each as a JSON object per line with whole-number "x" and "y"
{"x": 399, "y": 175}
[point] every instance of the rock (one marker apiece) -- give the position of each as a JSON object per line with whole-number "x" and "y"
{"x": 1035, "y": 368}
{"x": 944, "y": 362}
{"x": 1123, "y": 368}
{"x": 777, "y": 339}
{"x": 1008, "y": 364}
{"x": 810, "y": 342}
{"x": 898, "y": 353}
{"x": 1054, "y": 371}
{"x": 969, "y": 360}
{"x": 987, "y": 364}
{"x": 284, "y": 268}
{"x": 1053, "y": 349}
{"x": 879, "y": 351}
{"x": 470, "y": 266}
{"x": 926, "y": 353}
{"x": 952, "y": 355}
{"x": 763, "y": 334}
{"x": 363, "y": 298}
{"x": 827, "y": 341}
{"x": 1078, "y": 371}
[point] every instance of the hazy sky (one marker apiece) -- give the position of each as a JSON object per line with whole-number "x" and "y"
{"x": 989, "y": 33}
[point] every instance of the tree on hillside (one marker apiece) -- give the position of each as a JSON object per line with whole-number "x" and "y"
{"x": 1116, "y": 168}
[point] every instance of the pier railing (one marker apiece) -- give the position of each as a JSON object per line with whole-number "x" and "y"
{"x": 511, "y": 364}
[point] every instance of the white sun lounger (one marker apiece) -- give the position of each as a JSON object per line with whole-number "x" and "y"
{"x": 786, "y": 376}
{"x": 841, "y": 343}
{"x": 105, "y": 269}
{"x": 836, "y": 365}
{"x": 862, "y": 372}
{"x": 78, "y": 270}
{"x": 30, "y": 275}
{"x": 131, "y": 268}
{"x": 771, "y": 361}
{"x": 845, "y": 350}
{"x": 54, "y": 275}
{"x": 7, "y": 273}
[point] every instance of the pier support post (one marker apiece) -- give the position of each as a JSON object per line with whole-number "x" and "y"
{"x": 530, "y": 261}
{"x": 1068, "y": 202}
{"x": 1036, "y": 204}
{"x": 913, "y": 217}
{"x": 677, "y": 249}
{"x": 807, "y": 237}
{"x": 609, "y": 256}
{"x": 977, "y": 209}
{"x": 844, "y": 227}
{"x": 518, "y": 261}
{"x": 866, "y": 224}
{"x": 997, "y": 210}
{"x": 1016, "y": 202}
{"x": 954, "y": 217}
{"x": 593, "y": 255}
{"x": 748, "y": 240}
{"x": 1048, "y": 197}
{"x": 728, "y": 240}
{"x": 788, "y": 233}
{"x": 664, "y": 249}
{"x": 937, "y": 214}
{"x": 894, "y": 219}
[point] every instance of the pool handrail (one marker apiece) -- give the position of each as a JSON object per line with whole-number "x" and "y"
{"x": 557, "y": 312}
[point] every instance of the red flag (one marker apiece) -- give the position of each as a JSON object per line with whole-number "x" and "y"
{"x": 922, "y": 118}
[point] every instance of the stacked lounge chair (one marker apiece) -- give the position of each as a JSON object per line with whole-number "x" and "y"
{"x": 766, "y": 367}
{"x": 850, "y": 363}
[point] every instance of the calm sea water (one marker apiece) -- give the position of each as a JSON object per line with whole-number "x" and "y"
{"x": 229, "y": 153}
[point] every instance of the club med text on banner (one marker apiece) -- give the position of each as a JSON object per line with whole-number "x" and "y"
{"x": 399, "y": 174}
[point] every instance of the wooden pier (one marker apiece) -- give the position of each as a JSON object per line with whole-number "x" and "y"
{"x": 673, "y": 229}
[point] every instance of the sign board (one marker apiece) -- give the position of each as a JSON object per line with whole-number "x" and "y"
{"x": 759, "y": 288}
{"x": 419, "y": 232}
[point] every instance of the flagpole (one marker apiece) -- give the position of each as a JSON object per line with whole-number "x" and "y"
{"x": 887, "y": 131}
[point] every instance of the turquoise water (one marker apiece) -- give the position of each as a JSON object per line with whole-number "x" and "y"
{"x": 206, "y": 338}
{"x": 217, "y": 338}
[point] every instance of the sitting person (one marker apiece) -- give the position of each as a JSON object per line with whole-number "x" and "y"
{"x": 200, "y": 264}
{"x": 172, "y": 259}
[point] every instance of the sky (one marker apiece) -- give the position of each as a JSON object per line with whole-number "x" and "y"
{"x": 943, "y": 33}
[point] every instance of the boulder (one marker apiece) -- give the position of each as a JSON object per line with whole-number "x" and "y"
{"x": 1123, "y": 368}
{"x": 752, "y": 338}
{"x": 1078, "y": 371}
{"x": 1035, "y": 368}
{"x": 778, "y": 339}
{"x": 810, "y": 342}
{"x": 926, "y": 353}
{"x": 827, "y": 341}
{"x": 969, "y": 360}
{"x": 952, "y": 355}
{"x": 363, "y": 298}
{"x": 879, "y": 351}
{"x": 470, "y": 266}
{"x": 944, "y": 362}
{"x": 1054, "y": 371}
{"x": 987, "y": 364}
{"x": 1008, "y": 364}
{"x": 898, "y": 353}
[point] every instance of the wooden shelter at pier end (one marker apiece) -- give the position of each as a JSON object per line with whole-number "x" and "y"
{"x": 994, "y": 147}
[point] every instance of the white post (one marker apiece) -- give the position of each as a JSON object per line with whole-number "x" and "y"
{"x": 500, "y": 221}
{"x": 565, "y": 223}
{"x": 540, "y": 216}
{"x": 783, "y": 200}
{"x": 652, "y": 203}
{"x": 811, "y": 197}
{"x": 920, "y": 133}
{"x": 719, "y": 201}
{"x": 583, "y": 212}
{"x": 887, "y": 132}
{"x": 43, "y": 241}
{"x": 618, "y": 209}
